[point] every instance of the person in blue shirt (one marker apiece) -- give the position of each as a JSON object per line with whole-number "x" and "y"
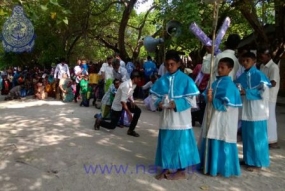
{"x": 130, "y": 66}
{"x": 149, "y": 68}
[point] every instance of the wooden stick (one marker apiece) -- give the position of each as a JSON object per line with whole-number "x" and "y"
{"x": 209, "y": 104}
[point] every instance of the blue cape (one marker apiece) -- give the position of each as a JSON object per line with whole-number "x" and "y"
{"x": 225, "y": 93}
{"x": 174, "y": 85}
{"x": 178, "y": 86}
{"x": 252, "y": 82}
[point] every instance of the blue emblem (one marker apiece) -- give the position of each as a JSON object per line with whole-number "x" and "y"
{"x": 18, "y": 32}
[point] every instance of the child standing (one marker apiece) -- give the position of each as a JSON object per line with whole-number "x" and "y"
{"x": 254, "y": 115}
{"x": 84, "y": 89}
{"x": 222, "y": 157}
{"x": 176, "y": 147}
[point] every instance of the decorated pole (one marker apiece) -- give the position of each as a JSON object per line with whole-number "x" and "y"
{"x": 209, "y": 105}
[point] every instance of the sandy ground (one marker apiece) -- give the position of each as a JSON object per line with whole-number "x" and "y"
{"x": 49, "y": 145}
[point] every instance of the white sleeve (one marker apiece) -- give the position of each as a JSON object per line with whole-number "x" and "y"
{"x": 68, "y": 72}
{"x": 102, "y": 69}
{"x": 125, "y": 96}
{"x": 55, "y": 71}
{"x": 274, "y": 74}
{"x": 147, "y": 85}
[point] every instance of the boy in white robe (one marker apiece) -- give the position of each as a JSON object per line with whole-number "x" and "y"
{"x": 224, "y": 101}
{"x": 176, "y": 147}
{"x": 255, "y": 94}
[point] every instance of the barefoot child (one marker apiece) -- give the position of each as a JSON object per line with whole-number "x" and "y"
{"x": 222, "y": 155}
{"x": 176, "y": 148}
{"x": 254, "y": 114}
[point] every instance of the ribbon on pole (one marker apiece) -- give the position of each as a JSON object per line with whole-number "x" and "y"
{"x": 222, "y": 32}
{"x": 18, "y": 32}
{"x": 197, "y": 31}
{"x": 206, "y": 41}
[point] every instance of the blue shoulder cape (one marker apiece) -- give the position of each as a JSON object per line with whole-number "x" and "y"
{"x": 178, "y": 86}
{"x": 225, "y": 93}
{"x": 252, "y": 82}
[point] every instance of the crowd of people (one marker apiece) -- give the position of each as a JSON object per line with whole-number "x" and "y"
{"x": 241, "y": 99}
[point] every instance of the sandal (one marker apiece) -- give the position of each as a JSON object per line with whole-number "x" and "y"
{"x": 133, "y": 133}
{"x": 178, "y": 175}
{"x": 252, "y": 168}
{"x": 162, "y": 175}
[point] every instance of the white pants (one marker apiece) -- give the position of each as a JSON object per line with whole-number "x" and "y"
{"x": 272, "y": 124}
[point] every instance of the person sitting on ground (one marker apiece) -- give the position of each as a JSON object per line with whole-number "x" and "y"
{"x": 65, "y": 86}
{"x": 40, "y": 90}
{"x": 14, "y": 93}
{"x": 108, "y": 98}
{"x": 6, "y": 85}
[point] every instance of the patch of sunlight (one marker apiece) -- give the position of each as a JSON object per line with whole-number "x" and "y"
{"x": 60, "y": 124}
{"x": 152, "y": 185}
{"x": 48, "y": 177}
{"x": 154, "y": 132}
{"x": 150, "y": 124}
{"x": 15, "y": 105}
{"x": 108, "y": 177}
{"x": 124, "y": 149}
{"x": 9, "y": 187}
{"x": 266, "y": 173}
{"x": 37, "y": 185}
{"x": 234, "y": 189}
{"x": 3, "y": 164}
{"x": 277, "y": 156}
{"x": 7, "y": 178}
{"x": 82, "y": 134}
{"x": 105, "y": 142}
{"x": 140, "y": 156}
{"x": 53, "y": 139}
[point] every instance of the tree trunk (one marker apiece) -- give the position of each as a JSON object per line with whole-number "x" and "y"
{"x": 124, "y": 21}
{"x": 247, "y": 8}
{"x": 279, "y": 43}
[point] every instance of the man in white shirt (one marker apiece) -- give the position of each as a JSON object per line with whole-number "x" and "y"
{"x": 271, "y": 70}
{"x": 122, "y": 63}
{"x": 106, "y": 72}
{"x": 231, "y": 44}
{"x": 123, "y": 100}
{"x": 77, "y": 73}
{"x": 161, "y": 70}
{"x": 61, "y": 68}
{"x": 119, "y": 72}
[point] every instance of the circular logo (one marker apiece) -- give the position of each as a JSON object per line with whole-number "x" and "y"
{"x": 18, "y": 30}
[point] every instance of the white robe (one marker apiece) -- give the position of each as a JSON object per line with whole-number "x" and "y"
{"x": 223, "y": 125}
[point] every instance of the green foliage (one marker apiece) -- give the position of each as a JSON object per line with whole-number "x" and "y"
{"x": 90, "y": 29}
